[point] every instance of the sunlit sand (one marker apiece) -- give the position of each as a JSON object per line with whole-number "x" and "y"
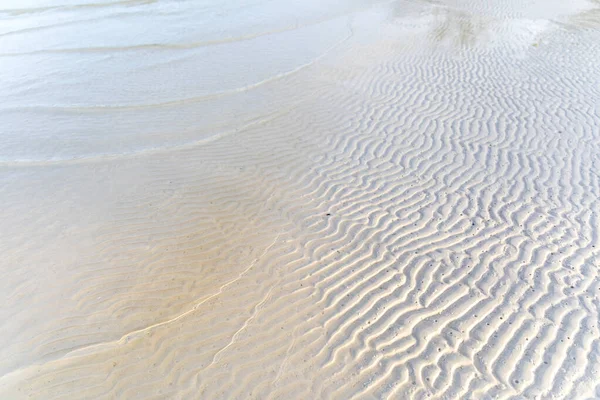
{"x": 307, "y": 200}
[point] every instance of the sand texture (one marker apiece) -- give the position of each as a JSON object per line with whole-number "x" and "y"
{"x": 342, "y": 199}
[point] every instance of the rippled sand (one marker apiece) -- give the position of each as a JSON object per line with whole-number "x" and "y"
{"x": 274, "y": 200}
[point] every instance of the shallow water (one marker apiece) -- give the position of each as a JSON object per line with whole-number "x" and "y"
{"x": 92, "y": 79}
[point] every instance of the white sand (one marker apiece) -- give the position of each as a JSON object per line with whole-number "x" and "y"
{"x": 342, "y": 199}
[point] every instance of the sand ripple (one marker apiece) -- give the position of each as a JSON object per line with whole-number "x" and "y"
{"x": 418, "y": 217}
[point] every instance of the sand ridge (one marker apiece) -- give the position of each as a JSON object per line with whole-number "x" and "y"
{"x": 421, "y": 222}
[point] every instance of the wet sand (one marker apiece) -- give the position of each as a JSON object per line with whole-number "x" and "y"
{"x": 395, "y": 200}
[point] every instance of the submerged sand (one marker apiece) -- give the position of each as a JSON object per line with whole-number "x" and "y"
{"x": 215, "y": 200}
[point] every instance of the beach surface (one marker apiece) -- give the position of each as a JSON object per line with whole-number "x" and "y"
{"x": 300, "y": 200}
